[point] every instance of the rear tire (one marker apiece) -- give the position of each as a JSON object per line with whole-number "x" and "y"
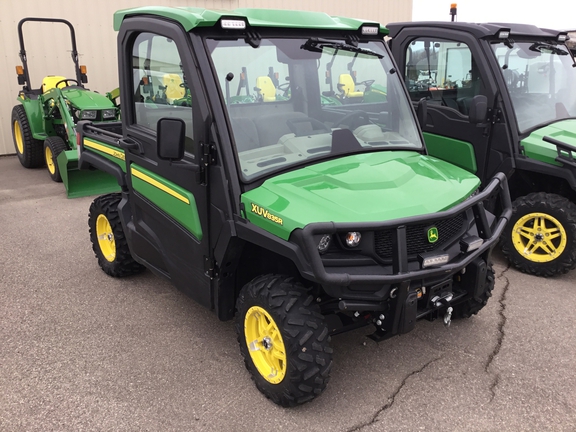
{"x": 108, "y": 239}
{"x": 53, "y": 146}
{"x": 283, "y": 339}
{"x": 28, "y": 149}
{"x": 540, "y": 238}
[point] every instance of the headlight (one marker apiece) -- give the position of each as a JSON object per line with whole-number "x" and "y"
{"x": 324, "y": 243}
{"x": 353, "y": 239}
{"x": 108, "y": 114}
{"x": 89, "y": 115}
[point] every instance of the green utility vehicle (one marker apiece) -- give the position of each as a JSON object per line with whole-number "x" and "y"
{"x": 43, "y": 122}
{"x": 300, "y": 217}
{"x": 528, "y": 78}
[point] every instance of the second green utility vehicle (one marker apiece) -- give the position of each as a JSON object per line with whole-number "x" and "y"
{"x": 248, "y": 186}
{"x": 528, "y": 77}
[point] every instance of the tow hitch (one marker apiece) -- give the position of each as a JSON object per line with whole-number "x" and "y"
{"x": 448, "y": 317}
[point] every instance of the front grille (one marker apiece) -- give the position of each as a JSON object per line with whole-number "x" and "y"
{"x": 417, "y": 238}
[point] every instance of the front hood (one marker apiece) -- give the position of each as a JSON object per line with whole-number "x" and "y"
{"x": 86, "y": 99}
{"x": 369, "y": 187}
{"x": 536, "y": 148}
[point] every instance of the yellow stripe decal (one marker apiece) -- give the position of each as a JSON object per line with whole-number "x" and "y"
{"x": 159, "y": 185}
{"x": 119, "y": 154}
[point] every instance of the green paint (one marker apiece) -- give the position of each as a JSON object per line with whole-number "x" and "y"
{"x": 191, "y": 18}
{"x": 536, "y": 148}
{"x": 112, "y": 153}
{"x": 35, "y": 115}
{"x": 459, "y": 153}
{"x": 369, "y": 187}
{"x": 186, "y": 213}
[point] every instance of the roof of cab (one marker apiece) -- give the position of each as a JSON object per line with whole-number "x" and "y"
{"x": 190, "y": 18}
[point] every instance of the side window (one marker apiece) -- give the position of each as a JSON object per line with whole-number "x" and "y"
{"x": 160, "y": 88}
{"x": 442, "y": 71}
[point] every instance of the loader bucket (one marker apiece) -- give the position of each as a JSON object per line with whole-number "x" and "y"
{"x": 80, "y": 183}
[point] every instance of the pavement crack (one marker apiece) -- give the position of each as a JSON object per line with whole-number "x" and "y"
{"x": 501, "y": 323}
{"x": 392, "y": 398}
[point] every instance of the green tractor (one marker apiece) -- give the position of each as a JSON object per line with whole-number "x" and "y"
{"x": 43, "y": 123}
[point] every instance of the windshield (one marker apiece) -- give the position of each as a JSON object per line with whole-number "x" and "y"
{"x": 540, "y": 79}
{"x": 296, "y": 101}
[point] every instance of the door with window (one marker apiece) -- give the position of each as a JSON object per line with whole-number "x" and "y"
{"x": 448, "y": 74}
{"x": 167, "y": 200}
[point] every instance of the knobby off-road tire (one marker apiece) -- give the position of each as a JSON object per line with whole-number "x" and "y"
{"x": 540, "y": 238}
{"x": 108, "y": 239}
{"x": 53, "y": 146}
{"x": 28, "y": 149}
{"x": 473, "y": 305}
{"x": 283, "y": 339}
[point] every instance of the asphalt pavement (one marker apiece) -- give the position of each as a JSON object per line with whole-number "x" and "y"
{"x": 81, "y": 351}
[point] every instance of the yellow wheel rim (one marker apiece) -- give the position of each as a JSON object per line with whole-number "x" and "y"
{"x": 265, "y": 344}
{"x": 105, "y": 238}
{"x": 539, "y": 237}
{"x": 18, "y": 137}
{"x": 49, "y": 161}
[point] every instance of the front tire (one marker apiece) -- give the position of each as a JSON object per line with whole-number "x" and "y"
{"x": 28, "y": 149}
{"x": 283, "y": 339}
{"x": 53, "y": 146}
{"x": 540, "y": 238}
{"x": 108, "y": 239}
{"x": 473, "y": 305}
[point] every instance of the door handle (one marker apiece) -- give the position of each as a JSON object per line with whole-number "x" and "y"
{"x": 130, "y": 144}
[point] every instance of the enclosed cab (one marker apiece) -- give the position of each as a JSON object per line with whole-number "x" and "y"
{"x": 272, "y": 167}
{"x": 528, "y": 78}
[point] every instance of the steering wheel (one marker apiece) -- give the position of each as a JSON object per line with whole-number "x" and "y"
{"x": 67, "y": 80}
{"x": 367, "y": 83}
{"x": 353, "y": 119}
{"x": 317, "y": 126}
{"x": 285, "y": 88}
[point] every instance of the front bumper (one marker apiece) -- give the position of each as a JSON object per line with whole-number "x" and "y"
{"x": 373, "y": 281}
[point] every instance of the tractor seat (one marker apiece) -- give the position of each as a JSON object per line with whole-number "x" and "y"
{"x": 173, "y": 89}
{"x": 265, "y": 88}
{"x": 49, "y": 82}
{"x": 347, "y": 87}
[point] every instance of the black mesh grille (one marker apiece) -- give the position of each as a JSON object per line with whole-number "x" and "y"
{"x": 417, "y": 238}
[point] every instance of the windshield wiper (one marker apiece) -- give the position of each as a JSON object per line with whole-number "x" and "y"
{"x": 317, "y": 45}
{"x": 539, "y": 46}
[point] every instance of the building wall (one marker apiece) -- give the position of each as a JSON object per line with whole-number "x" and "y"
{"x": 48, "y": 45}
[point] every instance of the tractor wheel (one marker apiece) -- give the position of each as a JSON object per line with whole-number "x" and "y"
{"x": 53, "y": 146}
{"x": 474, "y": 305}
{"x": 28, "y": 149}
{"x": 108, "y": 239}
{"x": 540, "y": 238}
{"x": 283, "y": 339}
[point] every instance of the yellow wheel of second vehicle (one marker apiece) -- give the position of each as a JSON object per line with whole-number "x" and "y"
{"x": 265, "y": 344}
{"x": 539, "y": 237}
{"x": 105, "y": 237}
{"x": 49, "y": 160}
{"x": 18, "y": 137}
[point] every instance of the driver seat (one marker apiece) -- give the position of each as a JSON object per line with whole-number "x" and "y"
{"x": 174, "y": 90}
{"x": 347, "y": 87}
{"x": 266, "y": 89}
{"x": 49, "y": 82}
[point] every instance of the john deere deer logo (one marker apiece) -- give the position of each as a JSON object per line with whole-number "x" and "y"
{"x": 433, "y": 235}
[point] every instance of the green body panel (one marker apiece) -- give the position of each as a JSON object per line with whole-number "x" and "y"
{"x": 172, "y": 199}
{"x": 369, "y": 187}
{"x": 35, "y": 115}
{"x": 80, "y": 183}
{"x": 376, "y": 93}
{"x": 190, "y": 18}
{"x": 460, "y": 153}
{"x": 113, "y": 154}
{"x": 84, "y": 99}
{"x": 536, "y": 148}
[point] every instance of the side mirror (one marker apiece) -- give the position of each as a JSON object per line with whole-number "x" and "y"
{"x": 422, "y": 112}
{"x": 478, "y": 109}
{"x": 171, "y": 135}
